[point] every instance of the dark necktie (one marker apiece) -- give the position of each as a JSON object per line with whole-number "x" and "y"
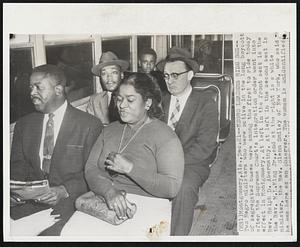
{"x": 112, "y": 109}
{"x": 48, "y": 144}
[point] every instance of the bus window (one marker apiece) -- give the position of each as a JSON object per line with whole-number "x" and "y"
{"x": 76, "y": 60}
{"x": 121, "y": 47}
{"x": 20, "y": 70}
{"x": 183, "y": 41}
{"x": 143, "y": 42}
{"x": 228, "y": 57}
{"x": 208, "y": 54}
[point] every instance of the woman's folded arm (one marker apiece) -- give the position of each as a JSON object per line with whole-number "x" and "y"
{"x": 166, "y": 181}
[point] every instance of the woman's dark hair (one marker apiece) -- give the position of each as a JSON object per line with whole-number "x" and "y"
{"x": 147, "y": 86}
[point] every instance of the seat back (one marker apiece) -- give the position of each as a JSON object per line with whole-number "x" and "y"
{"x": 224, "y": 84}
{"x": 216, "y": 96}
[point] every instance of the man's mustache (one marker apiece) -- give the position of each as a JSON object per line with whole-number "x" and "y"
{"x": 36, "y": 97}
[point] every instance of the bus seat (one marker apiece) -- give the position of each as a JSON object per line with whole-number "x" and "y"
{"x": 224, "y": 84}
{"x": 223, "y": 88}
{"x": 216, "y": 96}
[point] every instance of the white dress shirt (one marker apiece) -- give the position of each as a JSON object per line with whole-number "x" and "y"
{"x": 58, "y": 118}
{"x": 182, "y": 101}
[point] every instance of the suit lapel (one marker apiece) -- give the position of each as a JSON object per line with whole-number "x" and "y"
{"x": 36, "y": 136}
{"x": 64, "y": 134}
{"x": 187, "y": 113}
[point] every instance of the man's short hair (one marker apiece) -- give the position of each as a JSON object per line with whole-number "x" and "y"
{"x": 149, "y": 51}
{"x": 50, "y": 70}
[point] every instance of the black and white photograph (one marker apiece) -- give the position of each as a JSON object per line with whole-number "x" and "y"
{"x": 121, "y": 131}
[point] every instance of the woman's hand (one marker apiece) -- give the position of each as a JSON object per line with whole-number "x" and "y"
{"x": 115, "y": 200}
{"x": 116, "y": 162}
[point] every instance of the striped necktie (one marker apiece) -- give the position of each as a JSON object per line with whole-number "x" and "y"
{"x": 48, "y": 144}
{"x": 175, "y": 115}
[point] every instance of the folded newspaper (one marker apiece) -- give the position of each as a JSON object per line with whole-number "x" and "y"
{"x": 29, "y": 190}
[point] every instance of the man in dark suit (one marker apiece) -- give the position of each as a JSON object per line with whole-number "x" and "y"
{"x": 111, "y": 71}
{"x": 52, "y": 143}
{"x": 193, "y": 115}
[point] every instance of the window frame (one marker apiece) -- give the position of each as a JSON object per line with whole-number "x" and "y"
{"x": 160, "y": 43}
{"x": 25, "y": 45}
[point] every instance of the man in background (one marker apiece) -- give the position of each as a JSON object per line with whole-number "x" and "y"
{"x": 147, "y": 61}
{"x": 54, "y": 144}
{"x": 205, "y": 58}
{"x": 193, "y": 115}
{"x": 111, "y": 71}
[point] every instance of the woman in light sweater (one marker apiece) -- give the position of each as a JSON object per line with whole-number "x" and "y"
{"x": 140, "y": 155}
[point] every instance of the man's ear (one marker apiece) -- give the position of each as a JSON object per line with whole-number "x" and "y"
{"x": 122, "y": 75}
{"x": 190, "y": 75}
{"x": 148, "y": 104}
{"x": 59, "y": 90}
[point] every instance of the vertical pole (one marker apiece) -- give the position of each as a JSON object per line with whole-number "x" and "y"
{"x": 153, "y": 42}
{"x": 133, "y": 52}
{"x": 193, "y": 45}
{"x": 223, "y": 53}
{"x": 39, "y": 51}
{"x": 97, "y": 55}
{"x": 161, "y": 46}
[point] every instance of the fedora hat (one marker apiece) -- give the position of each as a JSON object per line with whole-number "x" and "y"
{"x": 179, "y": 54}
{"x": 109, "y": 58}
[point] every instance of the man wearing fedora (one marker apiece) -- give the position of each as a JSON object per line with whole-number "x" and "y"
{"x": 111, "y": 71}
{"x": 207, "y": 62}
{"x": 193, "y": 115}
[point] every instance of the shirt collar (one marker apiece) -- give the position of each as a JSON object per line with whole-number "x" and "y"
{"x": 185, "y": 95}
{"x": 60, "y": 111}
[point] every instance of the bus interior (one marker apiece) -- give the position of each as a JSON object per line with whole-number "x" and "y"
{"x": 215, "y": 213}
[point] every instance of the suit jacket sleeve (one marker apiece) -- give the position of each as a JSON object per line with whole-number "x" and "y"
{"x": 98, "y": 107}
{"x": 18, "y": 166}
{"x": 90, "y": 106}
{"x": 204, "y": 140}
{"x": 76, "y": 185}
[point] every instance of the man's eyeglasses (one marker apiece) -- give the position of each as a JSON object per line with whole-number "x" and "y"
{"x": 173, "y": 75}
